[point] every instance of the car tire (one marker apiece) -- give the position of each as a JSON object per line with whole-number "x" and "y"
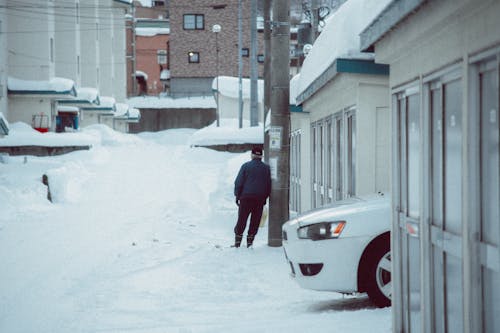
{"x": 379, "y": 283}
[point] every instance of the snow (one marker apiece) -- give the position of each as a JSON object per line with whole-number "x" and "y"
{"x": 121, "y": 109}
{"x": 150, "y": 32}
{"x": 4, "y": 120}
{"x": 228, "y": 132}
{"x": 131, "y": 244}
{"x": 22, "y": 134}
{"x": 64, "y": 108}
{"x": 340, "y": 38}
{"x": 229, "y": 86}
{"x": 152, "y": 102}
{"x": 107, "y": 102}
{"x": 88, "y": 94}
{"x": 55, "y": 84}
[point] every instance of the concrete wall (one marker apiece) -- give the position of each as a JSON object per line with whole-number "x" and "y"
{"x": 153, "y": 120}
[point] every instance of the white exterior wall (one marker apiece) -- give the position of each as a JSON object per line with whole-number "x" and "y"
{"x": 29, "y": 56}
{"x": 22, "y": 108}
{"x": 119, "y": 55}
{"x": 105, "y": 60}
{"x": 444, "y": 38}
{"x": 120, "y": 125}
{"x": 89, "y": 43}
{"x": 442, "y": 34}
{"x": 89, "y": 118}
{"x": 67, "y": 36}
{"x": 228, "y": 108}
{"x": 373, "y": 149}
{"x": 369, "y": 96}
{"x": 301, "y": 121}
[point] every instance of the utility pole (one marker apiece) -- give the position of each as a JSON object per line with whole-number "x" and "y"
{"x": 314, "y": 18}
{"x": 240, "y": 65}
{"x": 134, "y": 53}
{"x": 279, "y": 132}
{"x": 254, "y": 75}
{"x": 267, "y": 73}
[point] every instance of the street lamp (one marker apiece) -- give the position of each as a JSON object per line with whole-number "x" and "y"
{"x": 216, "y": 28}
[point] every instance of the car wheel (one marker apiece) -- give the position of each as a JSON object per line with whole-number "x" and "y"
{"x": 379, "y": 287}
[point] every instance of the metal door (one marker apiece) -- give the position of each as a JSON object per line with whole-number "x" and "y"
{"x": 489, "y": 242}
{"x": 445, "y": 200}
{"x": 406, "y": 239}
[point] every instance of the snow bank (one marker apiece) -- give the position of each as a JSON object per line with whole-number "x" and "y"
{"x": 22, "y": 134}
{"x": 228, "y": 133}
{"x": 340, "y": 38}
{"x": 67, "y": 182}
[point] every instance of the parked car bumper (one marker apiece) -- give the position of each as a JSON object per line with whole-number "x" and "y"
{"x": 327, "y": 265}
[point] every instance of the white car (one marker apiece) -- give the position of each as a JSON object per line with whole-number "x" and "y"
{"x": 343, "y": 248}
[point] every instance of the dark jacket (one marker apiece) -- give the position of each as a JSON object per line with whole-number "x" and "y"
{"x": 253, "y": 181}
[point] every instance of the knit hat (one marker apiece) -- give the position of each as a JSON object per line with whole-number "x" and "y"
{"x": 257, "y": 152}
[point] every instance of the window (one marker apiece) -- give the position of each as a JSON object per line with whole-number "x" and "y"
{"x": 162, "y": 57}
{"x": 260, "y": 58}
{"x": 78, "y": 64}
{"x": 194, "y": 22}
{"x": 194, "y": 57}
{"x": 245, "y": 52}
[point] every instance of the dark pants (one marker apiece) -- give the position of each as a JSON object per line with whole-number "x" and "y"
{"x": 247, "y": 207}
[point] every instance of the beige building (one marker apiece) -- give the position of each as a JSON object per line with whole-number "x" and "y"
{"x": 444, "y": 73}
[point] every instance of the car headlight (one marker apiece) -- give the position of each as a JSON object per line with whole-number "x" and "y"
{"x": 323, "y": 230}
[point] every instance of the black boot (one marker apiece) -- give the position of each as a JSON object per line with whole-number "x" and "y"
{"x": 250, "y": 240}
{"x": 237, "y": 240}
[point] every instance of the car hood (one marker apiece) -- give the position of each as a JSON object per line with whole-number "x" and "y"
{"x": 341, "y": 210}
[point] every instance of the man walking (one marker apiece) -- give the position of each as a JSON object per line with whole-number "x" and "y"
{"x": 252, "y": 187}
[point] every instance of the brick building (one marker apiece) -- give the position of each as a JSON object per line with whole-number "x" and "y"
{"x": 151, "y": 37}
{"x": 193, "y": 45}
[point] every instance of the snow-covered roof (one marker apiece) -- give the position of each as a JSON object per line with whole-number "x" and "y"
{"x": 66, "y": 108}
{"x": 88, "y": 94}
{"x": 56, "y": 85}
{"x": 340, "y": 38}
{"x": 141, "y": 74}
{"x": 229, "y": 86}
{"x": 134, "y": 114}
{"x": 294, "y": 87}
{"x": 107, "y": 104}
{"x": 149, "y": 31}
{"x": 4, "y": 125}
{"x": 228, "y": 132}
{"x": 121, "y": 109}
{"x": 151, "y": 102}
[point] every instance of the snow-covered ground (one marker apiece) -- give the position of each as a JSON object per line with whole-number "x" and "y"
{"x": 136, "y": 241}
